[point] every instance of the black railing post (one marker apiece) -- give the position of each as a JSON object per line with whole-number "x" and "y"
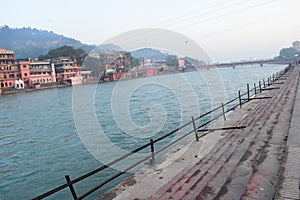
{"x": 264, "y": 83}
{"x": 239, "y": 93}
{"x": 268, "y": 81}
{"x": 70, "y": 183}
{"x": 71, "y": 187}
{"x": 273, "y": 78}
{"x": 152, "y": 152}
{"x": 248, "y": 92}
{"x": 259, "y": 83}
{"x": 195, "y": 129}
{"x": 254, "y": 88}
{"x": 223, "y": 110}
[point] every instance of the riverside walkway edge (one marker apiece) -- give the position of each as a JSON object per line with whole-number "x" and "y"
{"x": 289, "y": 184}
{"x": 251, "y": 163}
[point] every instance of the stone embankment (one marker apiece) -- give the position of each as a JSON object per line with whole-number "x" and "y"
{"x": 260, "y": 161}
{"x": 14, "y": 91}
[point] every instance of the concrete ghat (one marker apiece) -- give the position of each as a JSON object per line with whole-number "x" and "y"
{"x": 289, "y": 184}
{"x": 244, "y": 164}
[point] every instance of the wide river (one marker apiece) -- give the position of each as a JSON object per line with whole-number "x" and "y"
{"x": 47, "y": 134}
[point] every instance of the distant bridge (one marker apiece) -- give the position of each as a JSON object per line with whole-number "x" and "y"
{"x": 254, "y": 62}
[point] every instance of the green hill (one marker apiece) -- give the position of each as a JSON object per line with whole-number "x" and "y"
{"x": 31, "y": 42}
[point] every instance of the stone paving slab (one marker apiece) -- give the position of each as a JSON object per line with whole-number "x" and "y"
{"x": 149, "y": 180}
{"x": 289, "y": 185}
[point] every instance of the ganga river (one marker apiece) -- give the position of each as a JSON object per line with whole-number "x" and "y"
{"x": 39, "y": 142}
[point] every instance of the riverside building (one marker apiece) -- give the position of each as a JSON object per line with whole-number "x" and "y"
{"x": 41, "y": 72}
{"x": 33, "y": 73}
{"x": 9, "y": 70}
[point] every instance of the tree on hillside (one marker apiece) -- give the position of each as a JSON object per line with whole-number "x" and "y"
{"x": 133, "y": 61}
{"x": 32, "y": 42}
{"x": 288, "y": 53}
{"x": 65, "y": 51}
{"x": 93, "y": 64}
{"x": 172, "y": 61}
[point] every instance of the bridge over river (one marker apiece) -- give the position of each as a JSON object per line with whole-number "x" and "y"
{"x": 252, "y": 62}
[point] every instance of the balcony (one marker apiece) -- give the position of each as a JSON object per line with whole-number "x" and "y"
{"x": 36, "y": 70}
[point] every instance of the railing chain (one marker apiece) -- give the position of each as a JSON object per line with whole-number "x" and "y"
{"x": 70, "y": 182}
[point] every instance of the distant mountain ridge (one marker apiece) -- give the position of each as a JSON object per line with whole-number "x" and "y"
{"x": 149, "y": 53}
{"x": 31, "y": 42}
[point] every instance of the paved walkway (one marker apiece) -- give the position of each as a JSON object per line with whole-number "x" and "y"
{"x": 245, "y": 164}
{"x": 289, "y": 185}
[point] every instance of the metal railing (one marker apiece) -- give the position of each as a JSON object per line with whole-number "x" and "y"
{"x": 219, "y": 111}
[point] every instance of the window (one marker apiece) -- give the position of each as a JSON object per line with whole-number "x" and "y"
{"x": 11, "y": 76}
{"x": 5, "y": 76}
{"x": 25, "y": 74}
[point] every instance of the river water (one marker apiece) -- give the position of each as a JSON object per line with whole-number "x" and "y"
{"x": 43, "y": 133}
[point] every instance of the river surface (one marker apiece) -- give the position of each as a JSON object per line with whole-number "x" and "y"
{"x": 47, "y": 134}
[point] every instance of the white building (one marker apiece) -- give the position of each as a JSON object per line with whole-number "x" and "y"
{"x": 19, "y": 84}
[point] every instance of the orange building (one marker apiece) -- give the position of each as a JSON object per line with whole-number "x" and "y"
{"x": 41, "y": 72}
{"x": 151, "y": 72}
{"x": 24, "y": 71}
{"x": 9, "y": 71}
{"x": 181, "y": 64}
{"x": 65, "y": 68}
{"x": 67, "y": 71}
{"x": 34, "y": 73}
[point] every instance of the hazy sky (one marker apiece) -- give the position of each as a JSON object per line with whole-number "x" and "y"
{"x": 226, "y": 30}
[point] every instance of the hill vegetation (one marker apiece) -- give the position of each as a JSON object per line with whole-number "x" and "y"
{"x": 287, "y": 53}
{"x": 65, "y": 51}
{"x": 31, "y": 42}
{"x": 149, "y": 53}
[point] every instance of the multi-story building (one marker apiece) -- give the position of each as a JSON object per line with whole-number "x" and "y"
{"x": 33, "y": 73}
{"x": 23, "y": 66}
{"x": 67, "y": 71}
{"x": 108, "y": 57}
{"x": 41, "y": 72}
{"x": 117, "y": 68}
{"x": 9, "y": 70}
{"x": 6, "y": 57}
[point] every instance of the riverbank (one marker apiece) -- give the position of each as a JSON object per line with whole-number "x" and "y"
{"x": 49, "y": 147}
{"x": 14, "y": 91}
{"x": 242, "y": 163}
{"x": 148, "y": 180}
